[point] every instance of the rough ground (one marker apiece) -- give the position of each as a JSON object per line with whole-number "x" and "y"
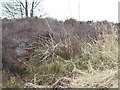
{"x": 97, "y": 79}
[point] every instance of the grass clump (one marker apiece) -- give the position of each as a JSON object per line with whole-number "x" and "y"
{"x": 102, "y": 53}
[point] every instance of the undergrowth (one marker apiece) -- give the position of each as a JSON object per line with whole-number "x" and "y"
{"x": 53, "y": 60}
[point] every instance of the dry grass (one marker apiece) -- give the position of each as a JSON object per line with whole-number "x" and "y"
{"x": 96, "y": 66}
{"x": 103, "y": 53}
{"x": 72, "y": 62}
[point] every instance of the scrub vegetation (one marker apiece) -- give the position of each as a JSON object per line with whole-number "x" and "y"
{"x": 69, "y": 54}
